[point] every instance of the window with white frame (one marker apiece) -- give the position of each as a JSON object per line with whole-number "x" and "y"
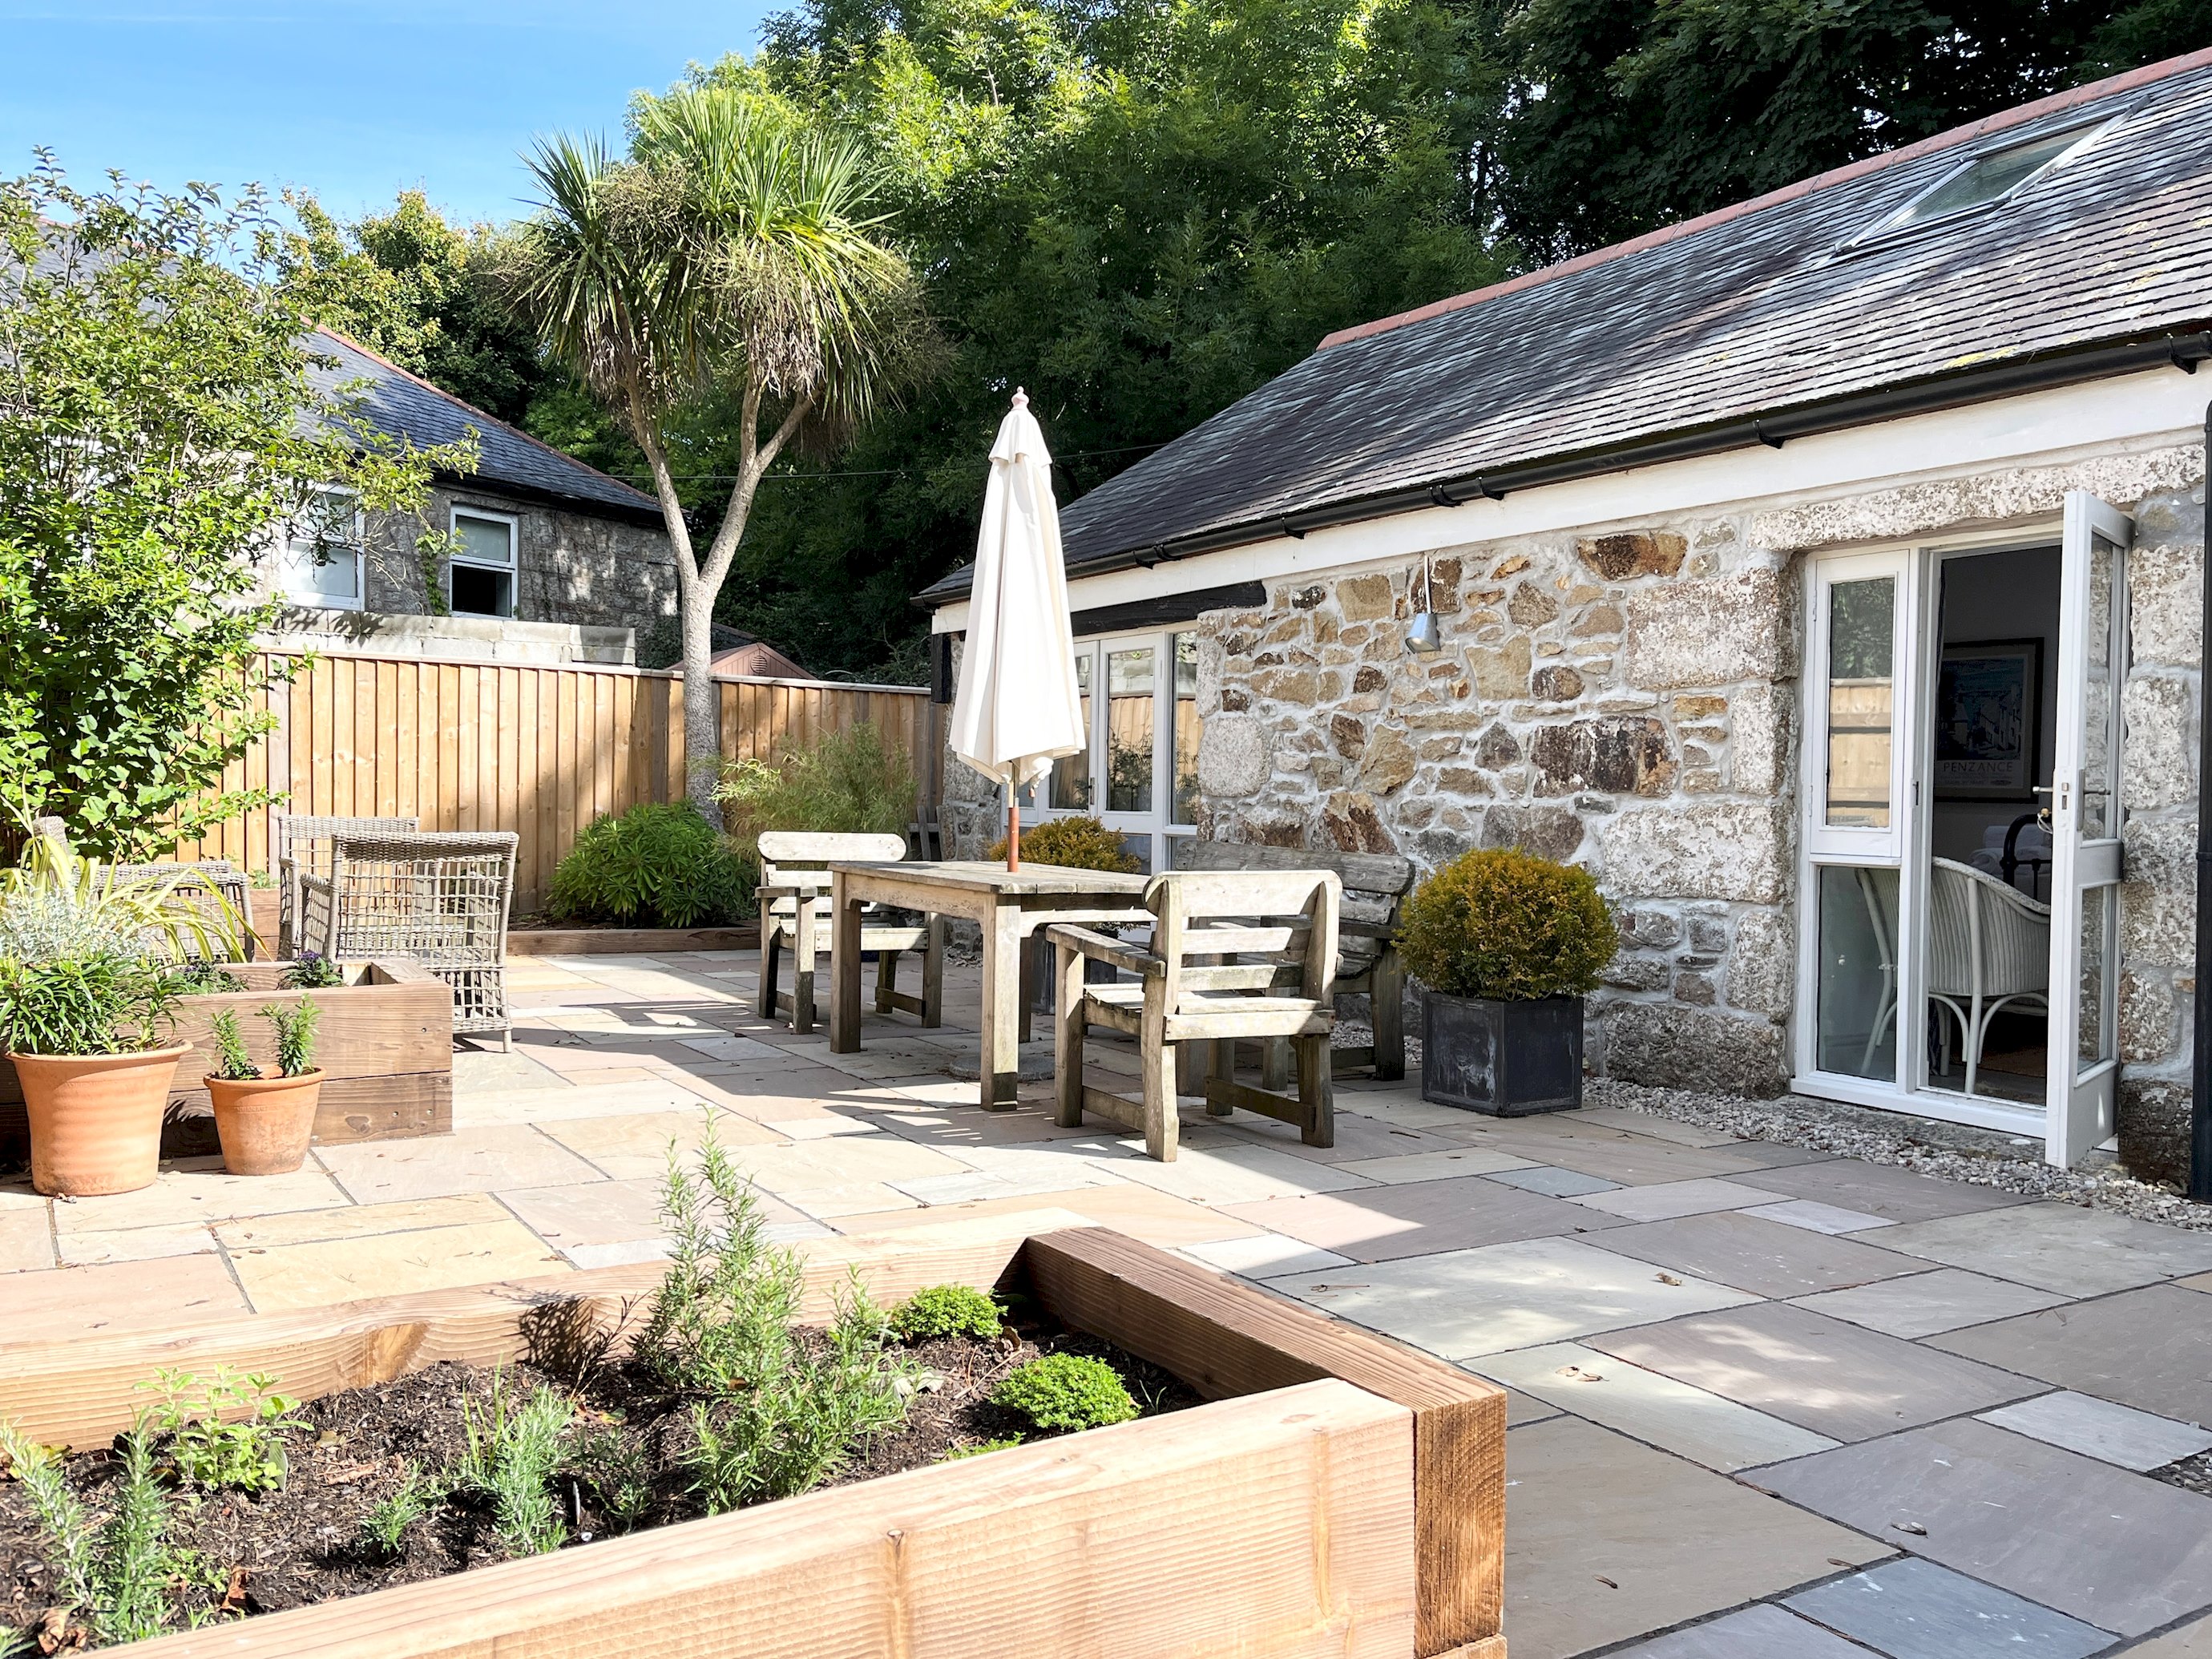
{"x": 1139, "y": 772}
{"x": 481, "y": 570}
{"x": 320, "y": 562}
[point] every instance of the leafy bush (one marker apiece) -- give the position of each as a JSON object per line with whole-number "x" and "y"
{"x": 312, "y": 972}
{"x": 1505, "y": 924}
{"x": 851, "y": 781}
{"x": 659, "y": 864}
{"x": 108, "y": 1004}
{"x": 1074, "y": 843}
{"x": 232, "y": 1064}
{"x": 1066, "y": 1391}
{"x": 946, "y": 1310}
{"x": 246, "y": 1455}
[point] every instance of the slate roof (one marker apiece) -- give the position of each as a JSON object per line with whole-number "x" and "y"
{"x": 401, "y": 402}
{"x": 1757, "y": 309}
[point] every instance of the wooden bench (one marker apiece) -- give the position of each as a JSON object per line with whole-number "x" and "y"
{"x": 1191, "y": 989}
{"x": 794, "y": 907}
{"x": 1367, "y": 961}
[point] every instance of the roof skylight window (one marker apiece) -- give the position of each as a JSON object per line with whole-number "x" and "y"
{"x": 1986, "y": 179}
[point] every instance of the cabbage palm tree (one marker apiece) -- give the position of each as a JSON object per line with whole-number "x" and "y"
{"x": 732, "y": 254}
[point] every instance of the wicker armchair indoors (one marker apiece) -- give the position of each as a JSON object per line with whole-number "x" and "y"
{"x": 302, "y": 849}
{"x": 439, "y": 901}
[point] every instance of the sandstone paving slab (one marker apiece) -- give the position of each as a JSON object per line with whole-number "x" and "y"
{"x": 1631, "y": 1159}
{"x": 2113, "y": 1549}
{"x": 465, "y": 1161}
{"x": 1238, "y": 1175}
{"x": 120, "y": 1296}
{"x": 1157, "y": 1218}
{"x": 1767, "y": 1258}
{"x": 1657, "y": 1410}
{"x": 1435, "y": 1165}
{"x": 1357, "y": 1137}
{"x": 196, "y": 1190}
{"x": 1764, "y": 1631}
{"x": 489, "y": 1069}
{"x": 1816, "y": 1217}
{"x": 647, "y": 1094}
{"x": 1910, "y": 1608}
{"x": 135, "y": 1243}
{"x": 357, "y": 1221}
{"x": 597, "y": 1212}
{"x": 1402, "y": 1104}
{"x": 634, "y": 1146}
{"x": 850, "y": 1198}
{"x": 1657, "y": 1127}
{"x": 974, "y": 1184}
{"x": 1554, "y": 1182}
{"x": 1466, "y": 1303}
{"x": 27, "y": 1239}
{"x": 1383, "y": 1222}
{"x": 2149, "y": 1348}
{"x": 393, "y": 1264}
{"x": 1072, "y": 1162}
{"x": 1265, "y": 1255}
{"x": 1665, "y": 1200}
{"x": 2058, "y": 1247}
{"x": 2190, "y": 1641}
{"x": 769, "y": 1097}
{"x": 840, "y": 1161}
{"x": 1821, "y": 1374}
{"x": 1926, "y": 1303}
{"x": 2097, "y": 1428}
{"x": 1606, "y": 1540}
{"x": 1881, "y": 1190}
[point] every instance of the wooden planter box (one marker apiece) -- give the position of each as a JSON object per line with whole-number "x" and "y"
{"x": 385, "y": 1043}
{"x": 1343, "y": 1497}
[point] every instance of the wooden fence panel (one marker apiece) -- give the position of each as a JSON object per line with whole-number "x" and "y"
{"x": 540, "y": 750}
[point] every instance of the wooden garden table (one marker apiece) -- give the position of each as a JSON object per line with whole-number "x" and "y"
{"x": 1007, "y": 906}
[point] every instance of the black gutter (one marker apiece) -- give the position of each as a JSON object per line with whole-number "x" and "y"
{"x": 1771, "y": 430}
{"x": 2200, "y": 1078}
{"x": 645, "y": 515}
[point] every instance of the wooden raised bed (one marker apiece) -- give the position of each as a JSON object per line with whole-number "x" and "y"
{"x": 1344, "y": 1498}
{"x": 386, "y": 1042}
{"x": 628, "y": 941}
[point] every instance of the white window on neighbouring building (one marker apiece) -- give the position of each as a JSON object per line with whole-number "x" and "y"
{"x": 320, "y": 561}
{"x": 482, "y": 568}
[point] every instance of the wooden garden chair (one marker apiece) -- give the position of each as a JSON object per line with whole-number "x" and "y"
{"x": 303, "y": 849}
{"x": 794, "y": 910}
{"x": 1193, "y": 986}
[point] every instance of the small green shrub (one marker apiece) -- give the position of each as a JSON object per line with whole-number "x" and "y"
{"x": 233, "y": 1063}
{"x": 851, "y": 781}
{"x": 202, "y": 978}
{"x": 111, "y": 1002}
{"x": 246, "y": 1455}
{"x": 118, "y": 1572}
{"x": 1066, "y": 1391}
{"x": 946, "y": 1310}
{"x": 312, "y": 972}
{"x": 658, "y": 865}
{"x": 384, "y": 1527}
{"x": 1074, "y": 843}
{"x": 295, "y": 1036}
{"x": 620, "y": 1476}
{"x": 1505, "y": 924}
{"x": 514, "y": 1449}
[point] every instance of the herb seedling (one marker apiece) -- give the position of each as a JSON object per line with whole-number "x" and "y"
{"x": 946, "y": 1310}
{"x": 1066, "y": 1391}
{"x": 386, "y": 1526}
{"x": 514, "y": 1449}
{"x": 312, "y": 972}
{"x": 117, "y": 1571}
{"x": 246, "y": 1455}
{"x": 233, "y": 1063}
{"x": 295, "y": 1036}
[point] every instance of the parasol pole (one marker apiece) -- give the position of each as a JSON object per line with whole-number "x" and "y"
{"x": 1013, "y": 827}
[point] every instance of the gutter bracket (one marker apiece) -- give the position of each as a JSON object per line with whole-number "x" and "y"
{"x": 1442, "y": 497}
{"x": 1758, "y": 431}
{"x": 1283, "y": 528}
{"x": 1487, "y": 489}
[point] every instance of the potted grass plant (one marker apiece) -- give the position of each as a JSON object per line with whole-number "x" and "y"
{"x": 265, "y": 1118}
{"x": 1506, "y": 945}
{"x": 89, "y": 981}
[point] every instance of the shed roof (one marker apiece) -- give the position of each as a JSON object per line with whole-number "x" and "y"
{"x": 406, "y": 404}
{"x": 1757, "y": 310}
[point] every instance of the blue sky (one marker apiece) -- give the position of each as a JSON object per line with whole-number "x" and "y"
{"x": 349, "y": 100}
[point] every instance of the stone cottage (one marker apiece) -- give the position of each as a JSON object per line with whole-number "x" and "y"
{"x": 550, "y": 560}
{"x": 1824, "y": 574}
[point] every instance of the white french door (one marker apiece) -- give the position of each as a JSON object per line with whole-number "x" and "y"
{"x": 2084, "y": 798}
{"x": 1139, "y": 774}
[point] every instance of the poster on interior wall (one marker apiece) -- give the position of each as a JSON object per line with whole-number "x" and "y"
{"x": 1988, "y": 709}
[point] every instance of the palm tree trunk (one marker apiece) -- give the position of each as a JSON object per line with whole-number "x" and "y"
{"x": 703, "y": 698}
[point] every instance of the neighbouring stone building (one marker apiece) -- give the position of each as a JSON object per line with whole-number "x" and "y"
{"x": 551, "y": 561}
{"x": 1773, "y": 559}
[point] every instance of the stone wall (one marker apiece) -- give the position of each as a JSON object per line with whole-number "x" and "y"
{"x": 572, "y": 567}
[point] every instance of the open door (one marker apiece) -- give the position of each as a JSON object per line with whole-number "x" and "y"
{"x": 2082, "y": 1072}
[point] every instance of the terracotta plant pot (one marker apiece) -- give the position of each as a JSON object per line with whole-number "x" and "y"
{"x": 96, "y": 1119}
{"x": 265, "y": 1122}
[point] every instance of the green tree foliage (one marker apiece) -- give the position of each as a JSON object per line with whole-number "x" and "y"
{"x": 158, "y": 425}
{"x": 1625, "y": 115}
{"x": 1139, "y": 212}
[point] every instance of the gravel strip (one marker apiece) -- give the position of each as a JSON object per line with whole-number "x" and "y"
{"x": 1983, "y": 1157}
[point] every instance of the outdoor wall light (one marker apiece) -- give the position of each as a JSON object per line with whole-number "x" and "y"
{"x": 1424, "y": 638}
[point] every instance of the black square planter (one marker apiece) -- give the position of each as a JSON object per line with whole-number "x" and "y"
{"x": 1508, "y": 1059}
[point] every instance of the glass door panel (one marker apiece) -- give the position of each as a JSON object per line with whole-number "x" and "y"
{"x": 2085, "y": 792}
{"x": 1855, "y": 1013}
{"x": 1130, "y": 729}
{"x": 1070, "y": 782}
{"x": 1861, "y": 702}
{"x": 1186, "y": 730}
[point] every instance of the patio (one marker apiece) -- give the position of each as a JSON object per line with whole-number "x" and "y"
{"x": 1754, "y": 1385}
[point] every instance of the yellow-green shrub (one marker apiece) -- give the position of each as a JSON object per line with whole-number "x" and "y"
{"x": 1076, "y": 843}
{"x": 1505, "y": 924}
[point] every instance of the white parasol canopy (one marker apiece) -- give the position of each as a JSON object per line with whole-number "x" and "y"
{"x": 1017, "y": 709}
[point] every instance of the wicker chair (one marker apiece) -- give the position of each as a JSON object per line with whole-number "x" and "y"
{"x": 303, "y": 849}
{"x": 439, "y": 901}
{"x": 1989, "y": 945}
{"x": 212, "y": 886}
